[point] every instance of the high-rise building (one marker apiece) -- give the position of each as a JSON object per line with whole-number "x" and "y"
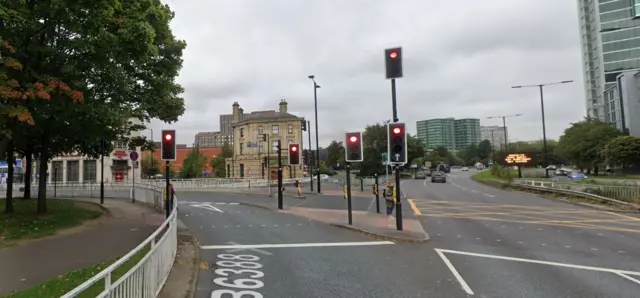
{"x": 467, "y": 132}
{"x": 495, "y": 135}
{"x": 209, "y": 139}
{"x": 449, "y": 133}
{"x": 610, "y": 37}
{"x": 623, "y": 100}
{"x": 226, "y": 126}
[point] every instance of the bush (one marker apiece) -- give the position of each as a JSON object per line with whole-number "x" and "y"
{"x": 501, "y": 172}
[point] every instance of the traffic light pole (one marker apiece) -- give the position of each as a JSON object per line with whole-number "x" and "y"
{"x": 315, "y": 99}
{"x": 398, "y": 192}
{"x": 167, "y": 203}
{"x": 280, "y": 203}
{"x": 348, "y": 168}
{"x": 309, "y": 156}
{"x": 102, "y": 149}
{"x": 377, "y": 193}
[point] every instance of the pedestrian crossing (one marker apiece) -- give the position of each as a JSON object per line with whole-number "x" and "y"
{"x": 212, "y": 203}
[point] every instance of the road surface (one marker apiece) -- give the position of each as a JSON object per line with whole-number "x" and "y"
{"x": 509, "y": 244}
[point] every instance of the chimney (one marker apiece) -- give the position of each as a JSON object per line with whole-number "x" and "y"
{"x": 283, "y": 106}
{"x": 241, "y": 110}
{"x": 236, "y": 112}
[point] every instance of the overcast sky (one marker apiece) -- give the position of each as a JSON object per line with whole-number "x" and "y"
{"x": 460, "y": 60}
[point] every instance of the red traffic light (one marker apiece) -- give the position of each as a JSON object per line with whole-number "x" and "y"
{"x": 167, "y": 137}
{"x": 353, "y": 139}
{"x": 393, "y": 55}
{"x": 397, "y": 130}
{"x": 294, "y": 148}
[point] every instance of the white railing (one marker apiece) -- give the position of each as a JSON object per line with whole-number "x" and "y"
{"x": 146, "y": 277}
{"x": 625, "y": 193}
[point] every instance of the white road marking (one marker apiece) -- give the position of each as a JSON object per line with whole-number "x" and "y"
{"x": 522, "y": 260}
{"x": 455, "y": 273}
{"x": 297, "y": 245}
{"x": 251, "y": 249}
{"x": 628, "y": 277}
{"x": 474, "y": 191}
{"x": 207, "y": 206}
{"x": 489, "y": 196}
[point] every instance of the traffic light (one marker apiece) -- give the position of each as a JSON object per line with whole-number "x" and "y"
{"x": 168, "y": 145}
{"x": 397, "y": 136}
{"x": 353, "y": 150}
{"x": 294, "y": 154}
{"x": 393, "y": 62}
{"x": 304, "y": 125}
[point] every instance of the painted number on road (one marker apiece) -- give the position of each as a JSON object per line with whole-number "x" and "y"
{"x": 248, "y": 268}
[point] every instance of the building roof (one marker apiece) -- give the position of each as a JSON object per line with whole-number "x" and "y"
{"x": 266, "y": 116}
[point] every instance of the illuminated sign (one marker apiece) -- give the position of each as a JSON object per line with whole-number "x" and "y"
{"x": 517, "y": 158}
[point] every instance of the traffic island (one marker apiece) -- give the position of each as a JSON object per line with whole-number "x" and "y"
{"x": 371, "y": 224}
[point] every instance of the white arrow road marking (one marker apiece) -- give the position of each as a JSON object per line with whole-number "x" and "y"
{"x": 207, "y": 206}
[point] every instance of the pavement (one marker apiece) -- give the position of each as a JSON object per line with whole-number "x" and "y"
{"x": 500, "y": 243}
{"x": 37, "y": 261}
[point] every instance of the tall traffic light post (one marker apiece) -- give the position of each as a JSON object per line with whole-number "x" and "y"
{"x": 353, "y": 153}
{"x": 393, "y": 67}
{"x": 168, "y": 154}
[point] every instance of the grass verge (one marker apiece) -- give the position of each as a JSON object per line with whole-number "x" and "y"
{"x": 486, "y": 176}
{"x": 24, "y": 223}
{"x": 62, "y": 284}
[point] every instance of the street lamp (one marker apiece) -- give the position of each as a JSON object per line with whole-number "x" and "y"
{"x": 504, "y": 127}
{"x": 544, "y": 127}
{"x": 315, "y": 100}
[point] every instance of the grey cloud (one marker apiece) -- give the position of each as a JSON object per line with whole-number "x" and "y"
{"x": 460, "y": 60}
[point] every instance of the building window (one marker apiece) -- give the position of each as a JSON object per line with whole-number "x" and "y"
{"x": 242, "y": 132}
{"x": 275, "y": 129}
{"x": 636, "y": 8}
{"x": 274, "y": 146}
{"x": 241, "y": 146}
{"x": 119, "y": 145}
{"x": 90, "y": 170}
{"x": 56, "y": 171}
{"x": 260, "y": 130}
{"x": 290, "y": 129}
{"x": 73, "y": 170}
{"x": 261, "y": 147}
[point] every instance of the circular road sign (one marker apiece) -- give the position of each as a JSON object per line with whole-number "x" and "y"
{"x": 133, "y": 155}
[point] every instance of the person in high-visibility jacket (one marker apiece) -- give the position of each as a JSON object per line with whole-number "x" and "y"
{"x": 389, "y": 197}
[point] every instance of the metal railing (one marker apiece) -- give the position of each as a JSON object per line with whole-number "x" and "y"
{"x": 625, "y": 193}
{"x": 147, "y": 276}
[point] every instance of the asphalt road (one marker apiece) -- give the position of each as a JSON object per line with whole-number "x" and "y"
{"x": 509, "y": 244}
{"x": 296, "y": 257}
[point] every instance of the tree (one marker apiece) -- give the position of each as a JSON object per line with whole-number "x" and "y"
{"x": 150, "y": 166}
{"x": 335, "y": 154}
{"x": 218, "y": 163}
{"x": 122, "y": 58}
{"x": 582, "y": 143}
{"x": 484, "y": 150}
{"x": 622, "y": 150}
{"x": 193, "y": 164}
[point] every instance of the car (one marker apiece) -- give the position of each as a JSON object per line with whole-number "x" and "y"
{"x": 465, "y": 169}
{"x": 438, "y": 176}
{"x": 420, "y": 175}
{"x": 576, "y": 176}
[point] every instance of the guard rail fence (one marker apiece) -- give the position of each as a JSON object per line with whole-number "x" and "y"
{"x": 628, "y": 196}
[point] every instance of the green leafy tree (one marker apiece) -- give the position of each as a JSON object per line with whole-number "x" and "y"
{"x": 123, "y": 59}
{"x": 582, "y": 143}
{"x": 335, "y": 154}
{"x": 218, "y": 162}
{"x": 623, "y": 151}
{"x": 150, "y": 166}
{"x": 193, "y": 164}
{"x": 484, "y": 150}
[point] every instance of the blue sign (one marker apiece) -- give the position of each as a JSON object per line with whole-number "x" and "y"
{"x": 17, "y": 163}
{"x": 133, "y": 155}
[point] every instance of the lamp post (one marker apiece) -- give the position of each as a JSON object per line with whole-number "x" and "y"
{"x": 544, "y": 127}
{"x": 315, "y": 100}
{"x": 504, "y": 128}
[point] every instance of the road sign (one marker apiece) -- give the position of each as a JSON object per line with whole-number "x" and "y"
{"x": 133, "y": 155}
{"x": 135, "y": 164}
{"x": 385, "y": 158}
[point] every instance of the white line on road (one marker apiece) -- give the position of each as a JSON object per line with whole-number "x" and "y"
{"x": 455, "y": 273}
{"x": 599, "y": 269}
{"x": 295, "y": 245}
{"x": 207, "y": 206}
{"x": 488, "y": 195}
{"x": 628, "y": 277}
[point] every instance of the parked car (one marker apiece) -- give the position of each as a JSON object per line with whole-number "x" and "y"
{"x": 465, "y": 169}
{"x": 577, "y": 176}
{"x": 438, "y": 176}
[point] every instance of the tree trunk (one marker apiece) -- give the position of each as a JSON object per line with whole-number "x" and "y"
{"x": 42, "y": 180}
{"x": 10, "y": 160}
{"x": 27, "y": 174}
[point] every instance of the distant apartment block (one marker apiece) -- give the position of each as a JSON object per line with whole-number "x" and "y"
{"x": 453, "y": 134}
{"x": 209, "y": 139}
{"x": 495, "y": 135}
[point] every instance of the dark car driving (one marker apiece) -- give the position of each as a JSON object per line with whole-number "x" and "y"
{"x": 438, "y": 176}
